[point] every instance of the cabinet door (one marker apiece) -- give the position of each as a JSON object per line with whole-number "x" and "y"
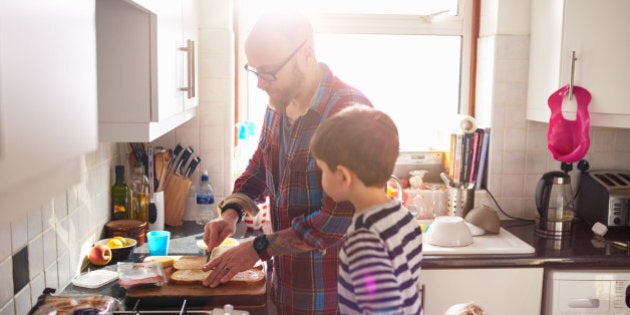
{"x": 48, "y": 90}
{"x": 497, "y": 291}
{"x": 597, "y": 32}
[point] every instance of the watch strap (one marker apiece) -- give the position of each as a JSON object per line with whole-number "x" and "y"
{"x": 261, "y": 243}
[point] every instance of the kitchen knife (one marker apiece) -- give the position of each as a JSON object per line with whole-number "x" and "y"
{"x": 179, "y": 170}
{"x": 192, "y": 166}
{"x": 171, "y": 164}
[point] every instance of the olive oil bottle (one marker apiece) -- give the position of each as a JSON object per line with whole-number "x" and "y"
{"x": 139, "y": 194}
{"x": 120, "y": 196}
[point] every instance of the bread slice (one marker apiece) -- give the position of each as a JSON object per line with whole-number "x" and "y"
{"x": 166, "y": 261}
{"x": 247, "y": 277}
{"x": 190, "y": 262}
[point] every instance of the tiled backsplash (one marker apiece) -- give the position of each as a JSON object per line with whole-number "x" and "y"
{"x": 44, "y": 247}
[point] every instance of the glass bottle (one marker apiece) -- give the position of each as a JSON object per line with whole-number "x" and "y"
{"x": 120, "y": 196}
{"x": 139, "y": 194}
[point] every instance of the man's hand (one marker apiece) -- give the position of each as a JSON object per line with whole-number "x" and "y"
{"x": 217, "y": 230}
{"x": 242, "y": 257}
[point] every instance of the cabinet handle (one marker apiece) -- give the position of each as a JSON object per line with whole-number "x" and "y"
{"x": 190, "y": 65}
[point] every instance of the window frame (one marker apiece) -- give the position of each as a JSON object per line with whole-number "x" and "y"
{"x": 464, "y": 24}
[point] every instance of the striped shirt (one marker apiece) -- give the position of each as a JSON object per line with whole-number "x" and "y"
{"x": 379, "y": 263}
{"x": 305, "y": 283}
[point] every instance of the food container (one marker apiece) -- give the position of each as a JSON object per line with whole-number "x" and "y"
{"x": 120, "y": 253}
{"x": 127, "y": 228}
{"x": 449, "y": 231}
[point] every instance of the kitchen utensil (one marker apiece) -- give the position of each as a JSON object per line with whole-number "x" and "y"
{"x": 460, "y": 200}
{"x": 158, "y": 242}
{"x": 449, "y": 231}
{"x": 179, "y": 169}
{"x": 173, "y": 163}
{"x": 485, "y": 218}
{"x": 175, "y": 194}
{"x": 554, "y": 204}
{"x": 172, "y": 295}
{"x": 192, "y": 166}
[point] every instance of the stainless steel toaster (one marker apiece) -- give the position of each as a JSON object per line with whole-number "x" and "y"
{"x": 604, "y": 196}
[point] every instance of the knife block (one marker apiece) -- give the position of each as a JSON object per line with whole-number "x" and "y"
{"x": 175, "y": 195}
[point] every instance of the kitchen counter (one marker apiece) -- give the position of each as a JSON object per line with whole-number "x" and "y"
{"x": 580, "y": 251}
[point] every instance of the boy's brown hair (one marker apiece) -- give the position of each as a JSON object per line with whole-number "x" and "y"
{"x": 361, "y": 138}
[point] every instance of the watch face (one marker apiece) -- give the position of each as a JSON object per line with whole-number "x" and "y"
{"x": 260, "y": 243}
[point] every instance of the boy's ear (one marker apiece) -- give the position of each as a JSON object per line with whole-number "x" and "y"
{"x": 345, "y": 174}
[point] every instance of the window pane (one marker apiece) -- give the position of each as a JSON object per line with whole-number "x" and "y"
{"x": 406, "y": 7}
{"x": 413, "y": 78}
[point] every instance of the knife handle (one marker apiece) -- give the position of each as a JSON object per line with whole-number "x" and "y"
{"x": 179, "y": 169}
{"x": 192, "y": 166}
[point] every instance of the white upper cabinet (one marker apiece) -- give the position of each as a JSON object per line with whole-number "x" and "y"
{"x": 48, "y": 98}
{"x": 147, "y": 67}
{"x": 598, "y": 33}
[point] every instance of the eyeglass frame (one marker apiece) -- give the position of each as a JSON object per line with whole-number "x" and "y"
{"x": 272, "y": 74}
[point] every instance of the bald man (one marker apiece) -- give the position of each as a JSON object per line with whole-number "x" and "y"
{"x": 308, "y": 225}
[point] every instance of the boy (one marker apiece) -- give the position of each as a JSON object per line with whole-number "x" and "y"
{"x": 379, "y": 262}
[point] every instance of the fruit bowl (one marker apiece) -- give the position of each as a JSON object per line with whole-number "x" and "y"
{"x": 121, "y": 247}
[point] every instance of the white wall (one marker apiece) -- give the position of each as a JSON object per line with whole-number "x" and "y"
{"x": 57, "y": 234}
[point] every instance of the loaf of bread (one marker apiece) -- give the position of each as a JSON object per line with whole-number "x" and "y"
{"x": 197, "y": 262}
{"x": 196, "y": 276}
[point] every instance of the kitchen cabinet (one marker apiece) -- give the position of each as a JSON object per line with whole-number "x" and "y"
{"x": 598, "y": 33}
{"x": 147, "y": 67}
{"x": 48, "y": 99}
{"x": 498, "y": 290}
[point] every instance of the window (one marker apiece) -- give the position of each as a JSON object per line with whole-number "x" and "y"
{"x": 410, "y": 58}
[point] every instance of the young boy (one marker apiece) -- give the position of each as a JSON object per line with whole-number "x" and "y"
{"x": 379, "y": 263}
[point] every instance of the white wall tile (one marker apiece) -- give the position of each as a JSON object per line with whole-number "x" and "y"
{"x": 23, "y": 301}
{"x": 48, "y": 217}
{"x": 36, "y": 257}
{"x": 5, "y": 241}
{"x": 60, "y": 206}
{"x": 51, "y": 277}
{"x": 6, "y": 281}
{"x": 8, "y": 309}
{"x": 63, "y": 270}
{"x": 34, "y": 223}
{"x": 50, "y": 247}
{"x": 38, "y": 284}
{"x": 19, "y": 234}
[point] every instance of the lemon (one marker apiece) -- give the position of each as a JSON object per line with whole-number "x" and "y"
{"x": 122, "y": 240}
{"x": 229, "y": 242}
{"x": 115, "y": 243}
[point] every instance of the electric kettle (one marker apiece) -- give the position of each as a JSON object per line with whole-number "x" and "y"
{"x": 554, "y": 202}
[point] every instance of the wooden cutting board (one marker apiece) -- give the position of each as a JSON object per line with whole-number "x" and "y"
{"x": 172, "y": 295}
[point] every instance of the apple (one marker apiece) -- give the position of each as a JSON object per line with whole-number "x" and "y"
{"x": 100, "y": 255}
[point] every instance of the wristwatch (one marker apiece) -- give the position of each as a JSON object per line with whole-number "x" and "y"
{"x": 260, "y": 245}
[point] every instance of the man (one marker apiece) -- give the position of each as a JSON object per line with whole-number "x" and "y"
{"x": 308, "y": 225}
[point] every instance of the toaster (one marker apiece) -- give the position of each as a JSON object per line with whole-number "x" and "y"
{"x": 604, "y": 196}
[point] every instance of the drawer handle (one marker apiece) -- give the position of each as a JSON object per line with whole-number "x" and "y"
{"x": 584, "y": 303}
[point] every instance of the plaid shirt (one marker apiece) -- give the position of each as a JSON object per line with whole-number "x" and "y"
{"x": 305, "y": 283}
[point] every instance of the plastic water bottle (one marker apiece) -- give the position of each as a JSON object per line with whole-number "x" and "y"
{"x": 206, "y": 208}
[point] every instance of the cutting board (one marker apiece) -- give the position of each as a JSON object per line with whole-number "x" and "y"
{"x": 196, "y": 295}
{"x": 489, "y": 244}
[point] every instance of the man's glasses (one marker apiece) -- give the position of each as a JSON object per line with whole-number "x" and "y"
{"x": 271, "y": 75}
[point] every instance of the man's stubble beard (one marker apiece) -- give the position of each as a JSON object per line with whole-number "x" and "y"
{"x": 290, "y": 92}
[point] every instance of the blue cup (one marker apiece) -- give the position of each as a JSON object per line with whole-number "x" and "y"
{"x": 158, "y": 242}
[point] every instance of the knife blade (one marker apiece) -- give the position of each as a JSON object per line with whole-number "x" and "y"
{"x": 179, "y": 169}
{"x": 192, "y": 166}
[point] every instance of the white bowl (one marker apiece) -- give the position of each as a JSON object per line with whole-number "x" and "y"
{"x": 449, "y": 231}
